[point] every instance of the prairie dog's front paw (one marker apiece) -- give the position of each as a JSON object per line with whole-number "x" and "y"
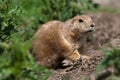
{"x": 67, "y": 62}
{"x": 75, "y": 56}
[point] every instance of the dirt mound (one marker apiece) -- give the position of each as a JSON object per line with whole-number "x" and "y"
{"x": 107, "y": 33}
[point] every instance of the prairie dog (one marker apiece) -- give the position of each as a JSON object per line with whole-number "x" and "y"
{"x": 56, "y": 41}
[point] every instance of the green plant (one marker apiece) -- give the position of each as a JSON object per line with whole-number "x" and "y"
{"x": 9, "y": 19}
{"x": 42, "y": 11}
{"x": 112, "y": 58}
{"x": 16, "y": 61}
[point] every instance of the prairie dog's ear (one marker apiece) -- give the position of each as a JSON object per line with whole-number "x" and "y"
{"x": 72, "y": 21}
{"x": 74, "y": 18}
{"x": 78, "y": 18}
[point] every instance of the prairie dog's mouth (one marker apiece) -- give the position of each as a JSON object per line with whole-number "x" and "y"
{"x": 89, "y": 31}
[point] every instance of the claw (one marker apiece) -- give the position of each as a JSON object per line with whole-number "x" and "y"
{"x": 67, "y": 62}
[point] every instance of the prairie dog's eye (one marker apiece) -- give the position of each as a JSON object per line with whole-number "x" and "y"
{"x": 80, "y": 20}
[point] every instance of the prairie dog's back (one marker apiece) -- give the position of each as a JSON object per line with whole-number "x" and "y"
{"x": 47, "y": 43}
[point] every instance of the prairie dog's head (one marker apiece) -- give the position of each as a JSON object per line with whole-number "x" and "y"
{"x": 82, "y": 24}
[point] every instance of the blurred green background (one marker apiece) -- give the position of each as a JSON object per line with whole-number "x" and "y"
{"x": 19, "y": 19}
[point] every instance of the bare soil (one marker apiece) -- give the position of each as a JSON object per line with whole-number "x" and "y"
{"x": 108, "y": 3}
{"x": 107, "y": 34}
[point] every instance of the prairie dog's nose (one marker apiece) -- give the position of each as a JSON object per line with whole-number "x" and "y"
{"x": 92, "y": 25}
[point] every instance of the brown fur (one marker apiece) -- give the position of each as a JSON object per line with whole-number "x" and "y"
{"x": 56, "y": 41}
